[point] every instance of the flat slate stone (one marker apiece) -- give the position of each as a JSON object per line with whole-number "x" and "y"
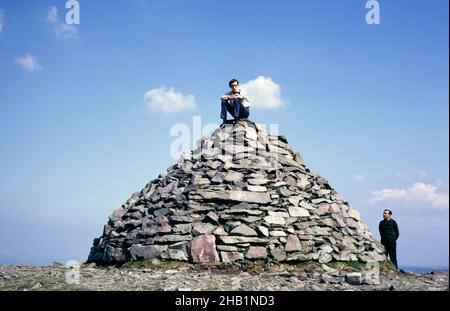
{"x": 277, "y": 233}
{"x": 236, "y": 195}
{"x": 256, "y": 252}
{"x": 256, "y": 188}
{"x": 178, "y": 254}
{"x": 231, "y": 256}
{"x": 258, "y": 182}
{"x": 147, "y": 251}
{"x": 172, "y": 238}
{"x": 278, "y": 254}
{"x": 220, "y": 231}
{"x": 263, "y": 230}
{"x": 275, "y": 220}
{"x": 241, "y": 239}
{"x": 293, "y": 244}
{"x": 249, "y": 197}
{"x": 204, "y": 228}
{"x": 243, "y": 230}
{"x": 298, "y": 212}
{"x": 253, "y": 212}
{"x": 233, "y": 176}
{"x": 227, "y": 248}
{"x": 278, "y": 214}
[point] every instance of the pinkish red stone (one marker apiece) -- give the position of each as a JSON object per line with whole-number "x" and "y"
{"x": 256, "y": 252}
{"x": 293, "y": 244}
{"x": 350, "y": 222}
{"x": 203, "y": 249}
{"x": 290, "y": 181}
{"x": 323, "y": 209}
{"x": 231, "y": 256}
{"x": 345, "y": 255}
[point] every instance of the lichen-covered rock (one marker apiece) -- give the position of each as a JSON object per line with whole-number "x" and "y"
{"x": 244, "y": 230}
{"x": 354, "y": 278}
{"x": 147, "y": 251}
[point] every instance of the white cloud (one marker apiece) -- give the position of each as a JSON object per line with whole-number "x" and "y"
{"x": 2, "y": 19}
{"x": 264, "y": 93}
{"x": 418, "y": 194}
{"x": 52, "y": 15}
{"x": 359, "y": 178}
{"x": 65, "y": 31}
{"x": 60, "y": 28}
{"x": 168, "y": 101}
{"x": 29, "y": 63}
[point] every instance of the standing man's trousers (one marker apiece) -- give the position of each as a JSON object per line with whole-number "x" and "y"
{"x": 391, "y": 249}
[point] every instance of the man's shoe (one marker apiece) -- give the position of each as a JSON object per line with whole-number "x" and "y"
{"x": 225, "y": 122}
{"x": 240, "y": 120}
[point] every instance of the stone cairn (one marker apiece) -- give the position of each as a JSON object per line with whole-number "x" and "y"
{"x": 242, "y": 195}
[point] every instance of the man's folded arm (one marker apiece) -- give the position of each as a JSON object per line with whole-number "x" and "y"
{"x": 397, "y": 233}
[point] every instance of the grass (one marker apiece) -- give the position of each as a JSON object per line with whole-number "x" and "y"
{"x": 355, "y": 266}
{"x": 257, "y": 266}
{"x": 387, "y": 266}
{"x": 341, "y": 266}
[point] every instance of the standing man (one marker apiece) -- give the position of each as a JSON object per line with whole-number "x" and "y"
{"x": 236, "y": 102}
{"x": 389, "y": 234}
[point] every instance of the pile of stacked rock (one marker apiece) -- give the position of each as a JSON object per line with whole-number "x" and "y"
{"x": 242, "y": 195}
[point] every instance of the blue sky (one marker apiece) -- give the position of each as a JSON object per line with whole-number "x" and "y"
{"x": 365, "y": 105}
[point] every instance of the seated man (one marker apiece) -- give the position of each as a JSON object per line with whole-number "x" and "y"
{"x": 236, "y": 102}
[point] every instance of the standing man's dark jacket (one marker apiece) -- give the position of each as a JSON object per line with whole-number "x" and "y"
{"x": 389, "y": 234}
{"x": 389, "y": 230}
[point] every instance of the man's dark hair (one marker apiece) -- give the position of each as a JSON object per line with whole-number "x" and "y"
{"x": 389, "y": 211}
{"x": 232, "y": 81}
